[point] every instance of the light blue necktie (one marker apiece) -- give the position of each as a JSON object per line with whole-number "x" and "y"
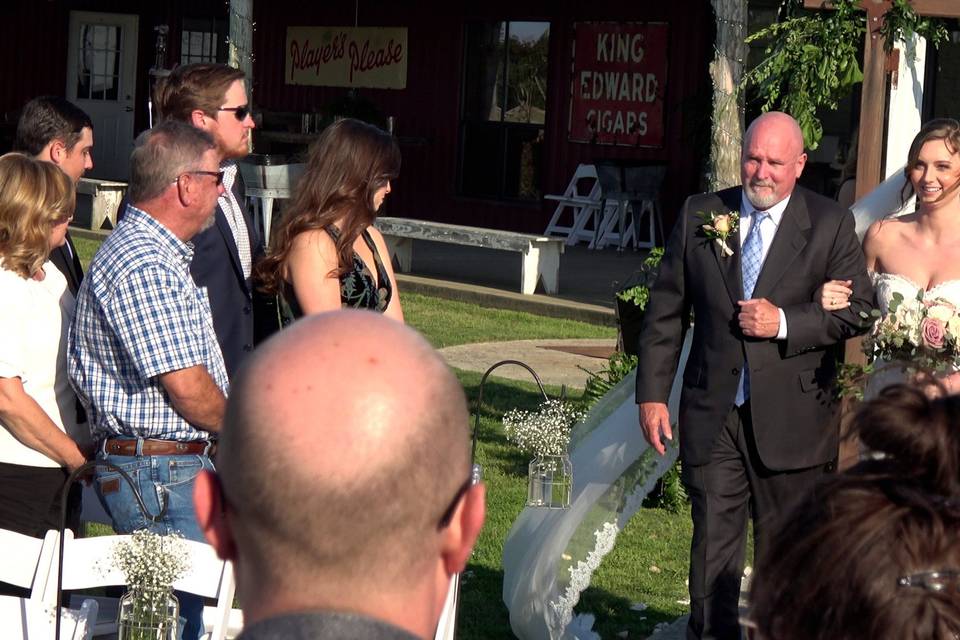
{"x": 751, "y": 260}
{"x": 752, "y": 256}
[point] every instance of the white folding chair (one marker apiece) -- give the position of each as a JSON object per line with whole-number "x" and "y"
{"x": 26, "y": 564}
{"x": 447, "y": 626}
{"x": 87, "y": 564}
{"x": 581, "y": 200}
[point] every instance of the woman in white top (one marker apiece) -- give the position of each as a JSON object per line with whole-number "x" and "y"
{"x": 39, "y": 434}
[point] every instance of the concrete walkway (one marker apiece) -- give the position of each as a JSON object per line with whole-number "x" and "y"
{"x": 551, "y": 359}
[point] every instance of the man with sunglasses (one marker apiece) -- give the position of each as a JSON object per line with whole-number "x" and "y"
{"x": 142, "y": 352}
{"x": 55, "y": 130}
{"x": 212, "y": 97}
{"x": 346, "y": 508}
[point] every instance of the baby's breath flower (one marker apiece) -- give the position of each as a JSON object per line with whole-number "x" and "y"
{"x": 544, "y": 432}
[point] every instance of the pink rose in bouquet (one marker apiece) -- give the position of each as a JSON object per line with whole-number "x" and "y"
{"x": 933, "y": 332}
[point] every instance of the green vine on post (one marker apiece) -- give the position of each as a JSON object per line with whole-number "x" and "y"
{"x": 901, "y": 21}
{"x": 811, "y": 61}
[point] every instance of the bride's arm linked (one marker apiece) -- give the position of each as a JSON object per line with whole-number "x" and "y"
{"x": 835, "y": 294}
{"x": 810, "y": 326}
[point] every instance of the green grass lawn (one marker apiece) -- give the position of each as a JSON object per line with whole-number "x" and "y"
{"x": 649, "y": 562}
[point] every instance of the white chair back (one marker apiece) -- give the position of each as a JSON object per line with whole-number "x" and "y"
{"x": 87, "y": 563}
{"x": 27, "y": 563}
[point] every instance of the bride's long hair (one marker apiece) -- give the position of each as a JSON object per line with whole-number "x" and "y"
{"x": 946, "y": 129}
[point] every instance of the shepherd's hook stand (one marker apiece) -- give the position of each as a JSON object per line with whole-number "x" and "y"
{"x": 65, "y": 492}
{"x": 477, "y": 470}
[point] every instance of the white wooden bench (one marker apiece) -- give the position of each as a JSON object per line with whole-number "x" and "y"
{"x": 541, "y": 255}
{"x": 106, "y": 196}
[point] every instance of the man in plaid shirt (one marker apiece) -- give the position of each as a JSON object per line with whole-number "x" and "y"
{"x": 142, "y": 351}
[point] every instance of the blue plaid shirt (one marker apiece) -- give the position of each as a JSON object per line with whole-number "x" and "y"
{"x": 139, "y": 314}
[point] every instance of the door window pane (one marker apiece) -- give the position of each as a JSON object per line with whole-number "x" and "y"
{"x": 99, "y": 62}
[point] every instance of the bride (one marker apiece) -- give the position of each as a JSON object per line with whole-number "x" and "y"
{"x": 918, "y": 254}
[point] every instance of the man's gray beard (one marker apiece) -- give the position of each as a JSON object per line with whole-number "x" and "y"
{"x": 762, "y": 203}
{"x": 209, "y": 221}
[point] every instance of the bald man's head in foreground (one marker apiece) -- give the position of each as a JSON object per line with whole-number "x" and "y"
{"x": 344, "y": 468}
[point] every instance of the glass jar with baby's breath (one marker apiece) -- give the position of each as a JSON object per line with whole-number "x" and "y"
{"x": 545, "y": 433}
{"x": 550, "y": 482}
{"x": 151, "y": 563}
{"x": 148, "y": 614}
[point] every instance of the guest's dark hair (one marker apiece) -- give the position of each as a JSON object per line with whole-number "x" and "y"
{"x": 347, "y": 164}
{"x": 946, "y": 129}
{"x": 49, "y": 118}
{"x": 837, "y": 567}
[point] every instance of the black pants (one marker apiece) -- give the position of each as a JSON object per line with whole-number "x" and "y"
{"x": 723, "y": 493}
{"x": 30, "y": 504}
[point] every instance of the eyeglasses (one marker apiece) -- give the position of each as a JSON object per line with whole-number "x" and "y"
{"x": 217, "y": 174}
{"x": 448, "y": 512}
{"x": 240, "y": 113}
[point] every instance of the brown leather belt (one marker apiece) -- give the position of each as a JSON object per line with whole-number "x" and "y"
{"x": 128, "y": 447}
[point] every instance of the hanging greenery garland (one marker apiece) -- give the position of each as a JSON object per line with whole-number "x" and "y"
{"x": 811, "y": 60}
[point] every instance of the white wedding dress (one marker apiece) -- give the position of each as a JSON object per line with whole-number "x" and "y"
{"x": 551, "y": 554}
{"x": 886, "y": 285}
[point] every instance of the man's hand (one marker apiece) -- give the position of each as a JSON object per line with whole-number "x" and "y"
{"x": 654, "y": 419}
{"x": 759, "y": 318}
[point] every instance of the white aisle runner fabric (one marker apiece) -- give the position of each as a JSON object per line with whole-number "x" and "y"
{"x": 550, "y": 555}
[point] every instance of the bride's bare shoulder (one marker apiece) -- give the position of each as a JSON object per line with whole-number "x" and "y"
{"x": 890, "y": 229}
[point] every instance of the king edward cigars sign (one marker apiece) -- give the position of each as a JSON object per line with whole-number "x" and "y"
{"x": 373, "y": 57}
{"x": 619, "y": 82}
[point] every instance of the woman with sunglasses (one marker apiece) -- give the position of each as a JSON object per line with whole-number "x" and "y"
{"x": 326, "y": 254}
{"x": 40, "y": 440}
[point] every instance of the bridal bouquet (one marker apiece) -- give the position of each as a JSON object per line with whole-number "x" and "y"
{"x": 922, "y": 331}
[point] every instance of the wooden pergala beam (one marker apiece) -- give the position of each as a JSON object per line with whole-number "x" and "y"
{"x": 933, "y": 8}
{"x": 874, "y": 97}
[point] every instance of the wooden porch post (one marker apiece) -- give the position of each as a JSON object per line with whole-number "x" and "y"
{"x": 240, "y": 42}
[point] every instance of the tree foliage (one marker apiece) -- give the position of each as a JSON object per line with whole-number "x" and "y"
{"x": 811, "y": 61}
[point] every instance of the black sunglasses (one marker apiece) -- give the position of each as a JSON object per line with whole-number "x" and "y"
{"x": 240, "y": 113}
{"x": 217, "y": 174}
{"x": 448, "y": 512}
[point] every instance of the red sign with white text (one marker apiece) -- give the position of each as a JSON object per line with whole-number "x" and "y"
{"x": 619, "y": 83}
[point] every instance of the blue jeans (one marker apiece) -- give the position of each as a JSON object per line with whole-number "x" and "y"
{"x": 155, "y": 476}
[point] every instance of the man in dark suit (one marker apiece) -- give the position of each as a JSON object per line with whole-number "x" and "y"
{"x": 55, "y": 130}
{"x": 756, "y": 423}
{"x": 213, "y": 97}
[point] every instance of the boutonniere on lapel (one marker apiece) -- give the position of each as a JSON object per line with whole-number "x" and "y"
{"x": 718, "y": 227}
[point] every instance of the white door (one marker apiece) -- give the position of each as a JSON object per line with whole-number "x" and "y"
{"x": 101, "y": 80}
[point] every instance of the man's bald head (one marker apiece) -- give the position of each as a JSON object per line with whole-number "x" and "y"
{"x": 772, "y": 159}
{"x": 345, "y": 439}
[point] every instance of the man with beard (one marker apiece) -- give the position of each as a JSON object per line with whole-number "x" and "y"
{"x": 142, "y": 352}
{"x": 212, "y": 97}
{"x": 756, "y": 419}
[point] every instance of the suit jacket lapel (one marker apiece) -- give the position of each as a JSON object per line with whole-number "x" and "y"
{"x": 789, "y": 241}
{"x": 730, "y": 265}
